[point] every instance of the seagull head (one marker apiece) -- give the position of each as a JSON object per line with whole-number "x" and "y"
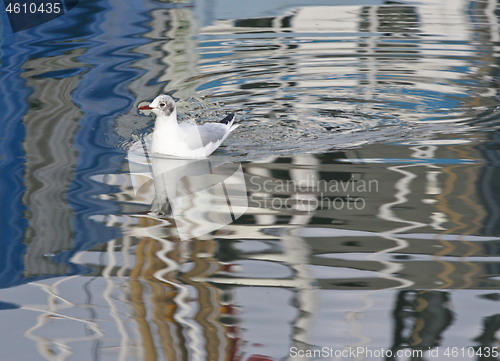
{"x": 162, "y": 106}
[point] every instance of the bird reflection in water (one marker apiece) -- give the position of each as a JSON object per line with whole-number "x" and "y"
{"x": 201, "y": 195}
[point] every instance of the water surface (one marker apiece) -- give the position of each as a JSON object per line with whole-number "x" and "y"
{"x": 362, "y": 182}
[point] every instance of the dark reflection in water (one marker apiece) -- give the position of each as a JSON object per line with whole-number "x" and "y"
{"x": 429, "y": 313}
{"x": 356, "y": 206}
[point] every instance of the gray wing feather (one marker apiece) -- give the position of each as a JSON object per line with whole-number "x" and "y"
{"x": 201, "y": 136}
{"x": 213, "y": 133}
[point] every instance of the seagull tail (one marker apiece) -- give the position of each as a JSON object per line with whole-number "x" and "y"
{"x": 229, "y": 120}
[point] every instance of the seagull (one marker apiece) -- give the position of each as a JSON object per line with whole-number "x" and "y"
{"x": 185, "y": 140}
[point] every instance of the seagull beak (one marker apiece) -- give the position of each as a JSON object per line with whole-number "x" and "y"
{"x": 145, "y": 107}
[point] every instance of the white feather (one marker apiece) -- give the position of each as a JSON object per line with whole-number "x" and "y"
{"x": 184, "y": 140}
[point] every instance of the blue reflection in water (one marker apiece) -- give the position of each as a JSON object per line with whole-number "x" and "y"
{"x": 101, "y": 95}
{"x": 13, "y": 105}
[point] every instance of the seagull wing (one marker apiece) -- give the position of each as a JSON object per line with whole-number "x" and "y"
{"x": 208, "y": 136}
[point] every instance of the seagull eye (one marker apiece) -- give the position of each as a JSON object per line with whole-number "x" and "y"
{"x": 162, "y": 104}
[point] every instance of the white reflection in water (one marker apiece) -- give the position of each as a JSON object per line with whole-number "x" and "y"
{"x": 202, "y": 195}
